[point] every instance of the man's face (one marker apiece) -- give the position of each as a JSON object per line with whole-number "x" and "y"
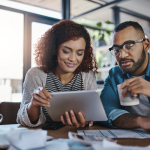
{"x": 132, "y": 61}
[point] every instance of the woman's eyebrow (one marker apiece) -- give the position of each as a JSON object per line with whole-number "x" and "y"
{"x": 67, "y": 47}
{"x": 81, "y": 49}
{"x": 71, "y": 48}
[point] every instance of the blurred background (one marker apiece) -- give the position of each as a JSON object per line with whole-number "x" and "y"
{"x": 23, "y": 22}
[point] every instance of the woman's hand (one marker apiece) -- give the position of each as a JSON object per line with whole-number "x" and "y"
{"x": 70, "y": 119}
{"x": 40, "y": 97}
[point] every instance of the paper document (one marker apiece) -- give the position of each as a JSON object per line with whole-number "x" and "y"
{"x": 107, "y": 145}
{"x": 117, "y": 133}
{"x": 4, "y": 142}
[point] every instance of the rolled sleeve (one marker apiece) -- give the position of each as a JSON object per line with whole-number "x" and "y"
{"x": 114, "y": 114}
{"x": 32, "y": 81}
{"x": 24, "y": 120}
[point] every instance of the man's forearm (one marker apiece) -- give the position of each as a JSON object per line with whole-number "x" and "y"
{"x": 127, "y": 121}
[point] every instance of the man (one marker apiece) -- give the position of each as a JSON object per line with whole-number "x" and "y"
{"x": 130, "y": 49}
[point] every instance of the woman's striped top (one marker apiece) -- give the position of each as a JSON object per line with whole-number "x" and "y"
{"x": 53, "y": 84}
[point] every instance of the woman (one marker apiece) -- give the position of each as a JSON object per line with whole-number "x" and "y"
{"x": 65, "y": 63}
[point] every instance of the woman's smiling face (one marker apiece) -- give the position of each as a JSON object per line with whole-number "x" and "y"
{"x": 70, "y": 55}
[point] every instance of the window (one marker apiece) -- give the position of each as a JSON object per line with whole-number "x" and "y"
{"x": 11, "y": 55}
{"x": 38, "y": 29}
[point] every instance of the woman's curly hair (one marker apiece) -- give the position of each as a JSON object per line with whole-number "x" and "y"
{"x": 63, "y": 31}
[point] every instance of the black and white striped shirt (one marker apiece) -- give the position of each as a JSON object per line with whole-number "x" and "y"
{"x": 37, "y": 77}
{"x": 53, "y": 84}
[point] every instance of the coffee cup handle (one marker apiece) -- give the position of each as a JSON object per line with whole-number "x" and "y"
{"x": 1, "y": 116}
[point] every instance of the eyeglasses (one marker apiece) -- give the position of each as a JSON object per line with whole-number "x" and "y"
{"x": 127, "y": 47}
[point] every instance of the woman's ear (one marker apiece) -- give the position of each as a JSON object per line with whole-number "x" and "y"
{"x": 146, "y": 44}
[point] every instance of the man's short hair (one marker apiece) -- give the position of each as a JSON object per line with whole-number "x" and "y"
{"x": 126, "y": 24}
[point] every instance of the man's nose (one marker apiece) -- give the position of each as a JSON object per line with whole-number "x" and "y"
{"x": 123, "y": 53}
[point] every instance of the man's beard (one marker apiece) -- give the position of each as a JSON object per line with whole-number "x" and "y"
{"x": 136, "y": 65}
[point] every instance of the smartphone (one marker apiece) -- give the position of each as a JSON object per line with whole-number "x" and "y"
{"x": 53, "y": 126}
{"x": 88, "y": 140}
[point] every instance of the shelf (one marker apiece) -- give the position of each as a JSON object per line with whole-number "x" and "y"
{"x": 103, "y": 48}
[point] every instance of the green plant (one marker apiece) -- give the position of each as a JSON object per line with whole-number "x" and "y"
{"x": 104, "y": 30}
{"x": 101, "y": 32}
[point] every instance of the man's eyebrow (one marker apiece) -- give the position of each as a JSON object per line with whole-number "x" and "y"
{"x": 124, "y": 42}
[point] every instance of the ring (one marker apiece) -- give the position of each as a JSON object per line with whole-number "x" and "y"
{"x": 40, "y": 88}
{"x": 36, "y": 91}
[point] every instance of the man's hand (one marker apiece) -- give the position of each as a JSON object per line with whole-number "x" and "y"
{"x": 136, "y": 86}
{"x": 144, "y": 123}
{"x": 70, "y": 119}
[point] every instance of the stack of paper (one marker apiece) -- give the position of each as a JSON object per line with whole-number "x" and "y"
{"x": 106, "y": 145}
{"x": 117, "y": 133}
{"x": 12, "y": 135}
{"x": 4, "y": 143}
{"x": 27, "y": 139}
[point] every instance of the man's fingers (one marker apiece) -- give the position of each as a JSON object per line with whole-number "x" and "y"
{"x": 124, "y": 92}
{"x": 135, "y": 92}
{"x": 128, "y": 85}
{"x": 133, "y": 86}
{"x": 126, "y": 82}
{"x": 73, "y": 118}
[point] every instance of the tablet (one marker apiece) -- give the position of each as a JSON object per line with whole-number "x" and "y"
{"x": 86, "y": 101}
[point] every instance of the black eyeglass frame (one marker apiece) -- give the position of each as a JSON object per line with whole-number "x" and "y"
{"x": 121, "y": 46}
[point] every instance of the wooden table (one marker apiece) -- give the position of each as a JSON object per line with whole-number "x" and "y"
{"x": 63, "y": 133}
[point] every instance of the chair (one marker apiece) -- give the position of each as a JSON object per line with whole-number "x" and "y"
{"x": 9, "y": 111}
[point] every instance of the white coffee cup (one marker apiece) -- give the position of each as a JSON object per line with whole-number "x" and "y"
{"x": 1, "y": 118}
{"x": 128, "y": 100}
